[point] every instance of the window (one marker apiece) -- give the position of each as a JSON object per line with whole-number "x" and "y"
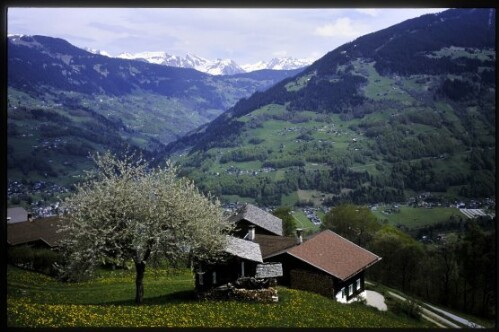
{"x": 357, "y": 284}
{"x": 200, "y": 278}
{"x": 343, "y": 295}
{"x": 350, "y": 289}
{"x": 242, "y": 269}
{"x": 214, "y": 276}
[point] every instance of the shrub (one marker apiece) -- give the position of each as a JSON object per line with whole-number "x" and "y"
{"x": 410, "y": 307}
{"x": 21, "y": 256}
{"x": 36, "y": 259}
{"x": 44, "y": 260}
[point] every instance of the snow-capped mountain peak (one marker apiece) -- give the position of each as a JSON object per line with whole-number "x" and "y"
{"x": 213, "y": 67}
{"x": 285, "y": 63}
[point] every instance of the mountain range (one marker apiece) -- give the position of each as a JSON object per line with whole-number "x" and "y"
{"x": 64, "y": 101}
{"x": 213, "y": 67}
{"x": 39, "y": 65}
{"x": 394, "y": 113}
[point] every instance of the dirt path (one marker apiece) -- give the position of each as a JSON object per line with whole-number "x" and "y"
{"x": 435, "y": 315}
{"x": 440, "y": 317}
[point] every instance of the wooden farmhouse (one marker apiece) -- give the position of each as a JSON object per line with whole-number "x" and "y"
{"x": 325, "y": 263}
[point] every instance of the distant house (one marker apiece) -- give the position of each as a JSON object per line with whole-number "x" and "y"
{"x": 40, "y": 232}
{"x": 326, "y": 263}
{"x": 17, "y": 214}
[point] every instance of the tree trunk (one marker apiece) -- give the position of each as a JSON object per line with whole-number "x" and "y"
{"x": 140, "y": 268}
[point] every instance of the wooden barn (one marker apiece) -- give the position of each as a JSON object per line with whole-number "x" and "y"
{"x": 243, "y": 260}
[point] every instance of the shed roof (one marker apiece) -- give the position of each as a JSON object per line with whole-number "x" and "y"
{"x": 258, "y": 217}
{"x": 17, "y": 214}
{"x": 43, "y": 229}
{"x": 334, "y": 255}
{"x": 269, "y": 270}
{"x": 244, "y": 249}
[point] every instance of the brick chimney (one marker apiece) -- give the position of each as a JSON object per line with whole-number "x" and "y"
{"x": 299, "y": 238}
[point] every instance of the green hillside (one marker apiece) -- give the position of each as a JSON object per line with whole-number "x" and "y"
{"x": 383, "y": 118}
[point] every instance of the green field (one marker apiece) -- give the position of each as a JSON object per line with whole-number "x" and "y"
{"x": 415, "y": 217}
{"x": 303, "y": 222}
{"x": 35, "y": 300}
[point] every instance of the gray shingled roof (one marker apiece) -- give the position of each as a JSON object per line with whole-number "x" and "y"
{"x": 259, "y": 218}
{"x": 243, "y": 248}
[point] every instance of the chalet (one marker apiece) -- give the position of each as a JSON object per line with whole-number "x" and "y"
{"x": 39, "y": 232}
{"x": 325, "y": 263}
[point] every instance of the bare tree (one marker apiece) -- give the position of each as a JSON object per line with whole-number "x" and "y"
{"x": 126, "y": 211}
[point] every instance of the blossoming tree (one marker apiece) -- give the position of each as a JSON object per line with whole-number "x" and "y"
{"x": 127, "y": 211}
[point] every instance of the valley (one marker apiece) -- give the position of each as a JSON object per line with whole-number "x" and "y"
{"x": 388, "y": 140}
{"x": 354, "y": 126}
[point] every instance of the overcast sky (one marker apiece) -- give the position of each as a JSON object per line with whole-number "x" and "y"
{"x": 243, "y": 35}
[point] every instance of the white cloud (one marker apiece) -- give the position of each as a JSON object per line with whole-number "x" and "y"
{"x": 368, "y": 11}
{"x": 342, "y": 27}
{"x": 280, "y": 54}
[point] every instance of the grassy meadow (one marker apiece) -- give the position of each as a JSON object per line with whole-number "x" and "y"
{"x": 35, "y": 300}
{"x": 412, "y": 217}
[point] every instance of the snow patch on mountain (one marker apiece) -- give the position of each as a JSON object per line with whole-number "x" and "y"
{"x": 98, "y": 52}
